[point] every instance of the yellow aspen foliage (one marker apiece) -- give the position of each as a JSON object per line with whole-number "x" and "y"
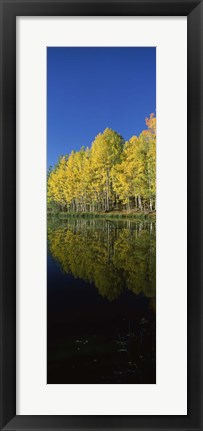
{"x": 112, "y": 174}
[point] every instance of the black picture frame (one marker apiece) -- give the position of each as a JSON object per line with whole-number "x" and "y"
{"x": 193, "y": 9}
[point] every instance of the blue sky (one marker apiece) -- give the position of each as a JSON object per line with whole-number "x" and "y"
{"x": 89, "y": 89}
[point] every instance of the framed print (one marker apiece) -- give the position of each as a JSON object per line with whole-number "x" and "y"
{"x": 101, "y": 215}
{"x": 104, "y": 340}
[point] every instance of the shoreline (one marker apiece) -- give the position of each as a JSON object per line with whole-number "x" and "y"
{"x": 137, "y": 215}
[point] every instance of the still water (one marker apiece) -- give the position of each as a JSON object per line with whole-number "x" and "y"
{"x": 101, "y": 301}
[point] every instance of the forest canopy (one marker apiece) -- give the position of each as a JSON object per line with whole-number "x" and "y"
{"x": 110, "y": 175}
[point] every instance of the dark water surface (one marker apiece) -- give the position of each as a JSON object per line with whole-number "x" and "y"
{"x": 101, "y": 301}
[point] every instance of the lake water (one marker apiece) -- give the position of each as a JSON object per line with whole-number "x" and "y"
{"x": 101, "y": 301}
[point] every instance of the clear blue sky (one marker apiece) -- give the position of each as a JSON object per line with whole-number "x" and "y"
{"x": 89, "y": 89}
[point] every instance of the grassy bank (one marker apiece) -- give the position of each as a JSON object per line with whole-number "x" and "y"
{"x": 138, "y": 215}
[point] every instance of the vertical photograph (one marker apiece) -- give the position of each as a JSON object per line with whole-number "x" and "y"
{"x": 101, "y": 215}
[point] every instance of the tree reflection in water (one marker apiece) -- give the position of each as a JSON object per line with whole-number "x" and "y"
{"x": 101, "y": 301}
{"x": 113, "y": 254}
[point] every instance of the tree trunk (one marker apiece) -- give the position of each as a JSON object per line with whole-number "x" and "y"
{"x": 140, "y": 203}
{"x": 107, "y": 189}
